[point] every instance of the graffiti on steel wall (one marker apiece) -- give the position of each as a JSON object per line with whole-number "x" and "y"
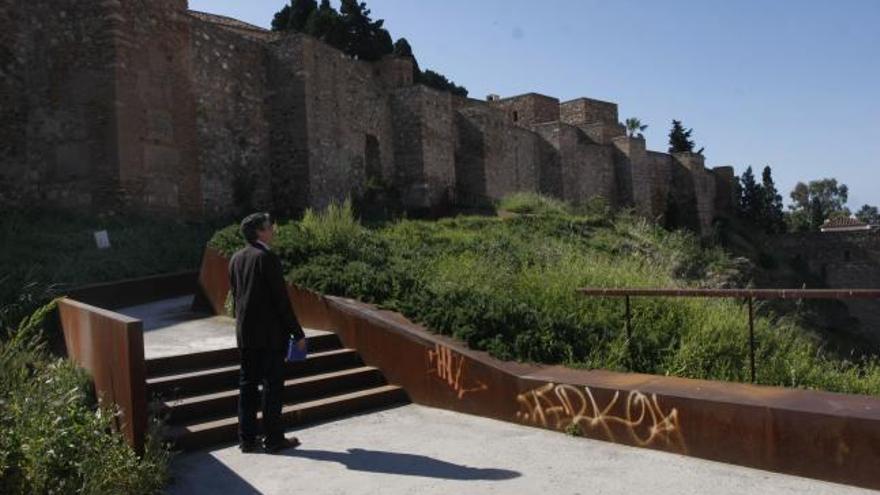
{"x": 451, "y": 368}
{"x": 642, "y": 419}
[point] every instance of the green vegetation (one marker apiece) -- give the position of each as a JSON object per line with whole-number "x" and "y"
{"x": 507, "y": 285}
{"x": 680, "y": 139}
{"x": 814, "y": 203}
{"x": 761, "y": 204}
{"x": 869, "y": 215}
{"x": 53, "y": 436}
{"x": 44, "y": 253}
{"x": 634, "y": 127}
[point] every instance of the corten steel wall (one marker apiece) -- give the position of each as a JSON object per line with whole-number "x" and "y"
{"x": 111, "y": 347}
{"x": 828, "y": 436}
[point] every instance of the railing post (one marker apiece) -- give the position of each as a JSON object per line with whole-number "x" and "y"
{"x": 752, "y": 337}
{"x": 628, "y": 323}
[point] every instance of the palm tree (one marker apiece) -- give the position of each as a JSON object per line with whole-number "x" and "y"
{"x": 633, "y": 126}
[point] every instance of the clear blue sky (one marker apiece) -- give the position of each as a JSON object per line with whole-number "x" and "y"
{"x": 794, "y": 84}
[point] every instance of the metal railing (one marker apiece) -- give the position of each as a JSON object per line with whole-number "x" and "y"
{"x": 749, "y": 295}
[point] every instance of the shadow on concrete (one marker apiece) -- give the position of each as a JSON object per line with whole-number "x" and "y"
{"x": 377, "y": 461}
{"x": 204, "y": 474}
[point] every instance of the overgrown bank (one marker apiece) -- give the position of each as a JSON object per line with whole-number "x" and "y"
{"x": 507, "y": 285}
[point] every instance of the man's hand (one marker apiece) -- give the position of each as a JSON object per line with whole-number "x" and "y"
{"x": 301, "y": 344}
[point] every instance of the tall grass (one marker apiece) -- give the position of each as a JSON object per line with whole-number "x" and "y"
{"x": 507, "y": 285}
{"x": 54, "y": 438}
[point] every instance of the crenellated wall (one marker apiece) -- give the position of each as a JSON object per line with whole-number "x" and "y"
{"x": 146, "y": 105}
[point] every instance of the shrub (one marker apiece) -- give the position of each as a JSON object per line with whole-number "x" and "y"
{"x": 53, "y": 436}
{"x": 531, "y": 203}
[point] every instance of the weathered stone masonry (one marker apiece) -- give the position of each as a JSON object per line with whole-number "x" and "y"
{"x": 146, "y": 105}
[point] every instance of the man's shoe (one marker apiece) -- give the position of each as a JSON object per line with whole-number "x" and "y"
{"x": 248, "y": 447}
{"x": 282, "y": 444}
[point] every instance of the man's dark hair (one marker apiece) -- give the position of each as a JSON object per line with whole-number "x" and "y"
{"x": 252, "y": 223}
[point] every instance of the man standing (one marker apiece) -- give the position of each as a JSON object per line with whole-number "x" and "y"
{"x": 264, "y": 321}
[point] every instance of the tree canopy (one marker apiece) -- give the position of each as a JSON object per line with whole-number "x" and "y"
{"x": 815, "y": 202}
{"x": 869, "y": 215}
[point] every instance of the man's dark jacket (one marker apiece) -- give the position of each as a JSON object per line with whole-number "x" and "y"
{"x": 264, "y": 318}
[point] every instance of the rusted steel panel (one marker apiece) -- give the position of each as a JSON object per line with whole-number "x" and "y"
{"x": 213, "y": 281}
{"x": 739, "y": 293}
{"x": 110, "y": 347}
{"x": 834, "y": 437}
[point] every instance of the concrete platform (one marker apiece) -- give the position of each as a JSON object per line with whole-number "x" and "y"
{"x": 171, "y": 328}
{"x": 419, "y": 450}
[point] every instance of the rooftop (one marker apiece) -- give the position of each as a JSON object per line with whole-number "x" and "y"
{"x": 843, "y": 224}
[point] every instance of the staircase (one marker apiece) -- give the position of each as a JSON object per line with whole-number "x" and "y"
{"x": 198, "y": 393}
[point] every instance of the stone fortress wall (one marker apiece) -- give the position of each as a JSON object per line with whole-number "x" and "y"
{"x": 145, "y": 104}
{"x": 843, "y": 260}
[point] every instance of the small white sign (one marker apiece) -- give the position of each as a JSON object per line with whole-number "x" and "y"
{"x": 102, "y": 239}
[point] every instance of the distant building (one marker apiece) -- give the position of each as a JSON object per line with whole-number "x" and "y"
{"x": 842, "y": 224}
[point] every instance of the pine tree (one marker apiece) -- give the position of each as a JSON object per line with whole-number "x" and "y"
{"x": 324, "y": 23}
{"x": 750, "y": 193}
{"x": 679, "y": 139}
{"x": 402, "y": 48}
{"x": 366, "y": 40}
{"x": 281, "y": 20}
{"x": 772, "y": 217}
{"x": 293, "y": 17}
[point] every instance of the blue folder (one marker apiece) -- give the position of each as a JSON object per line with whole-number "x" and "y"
{"x": 293, "y": 353}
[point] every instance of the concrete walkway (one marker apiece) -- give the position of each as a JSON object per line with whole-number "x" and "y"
{"x": 419, "y": 450}
{"x": 171, "y": 328}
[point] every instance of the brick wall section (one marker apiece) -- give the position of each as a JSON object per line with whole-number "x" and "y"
{"x": 288, "y": 121}
{"x": 495, "y": 158}
{"x": 703, "y": 189}
{"x": 158, "y": 157}
{"x": 633, "y": 174}
{"x": 56, "y": 98}
{"x": 345, "y": 103}
{"x": 395, "y": 72}
{"x": 725, "y": 191}
{"x": 424, "y": 147}
{"x": 229, "y": 82}
{"x": 586, "y": 169}
{"x": 844, "y": 260}
{"x": 528, "y": 109}
{"x": 588, "y": 111}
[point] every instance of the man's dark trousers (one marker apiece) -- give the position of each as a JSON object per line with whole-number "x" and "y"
{"x": 266, "y": 367}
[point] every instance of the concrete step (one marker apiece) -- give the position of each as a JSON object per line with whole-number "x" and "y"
{"x": 225, "y": 403}
{"x": 204, "y": 381}
{"x": 172, "y": 365}
{"x": 198, "y": 435}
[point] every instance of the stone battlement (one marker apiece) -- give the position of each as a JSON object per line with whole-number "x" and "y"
{"x": 149, "y": 106}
